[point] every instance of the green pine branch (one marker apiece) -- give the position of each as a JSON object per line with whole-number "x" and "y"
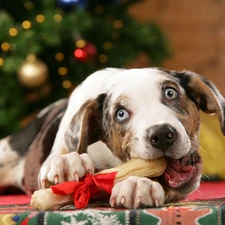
{"x": 98, "y": 24}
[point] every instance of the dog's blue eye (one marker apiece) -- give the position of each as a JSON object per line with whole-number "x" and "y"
{"x": 122, "y": 114}
{"x": 170, "y": 93}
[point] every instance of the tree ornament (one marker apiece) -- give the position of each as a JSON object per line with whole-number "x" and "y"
{"x": 88, "y": 52}
{"x": 80, "y": 55}
{"x": 33, "y": 72}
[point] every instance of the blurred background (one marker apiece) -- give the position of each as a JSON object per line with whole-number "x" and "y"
{"x": 196, "y": 32}
{"x": 48, "y": 47}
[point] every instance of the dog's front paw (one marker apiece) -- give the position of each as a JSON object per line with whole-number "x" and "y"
{"x": 134, "y": 192}
{"x": 66, "y": 167}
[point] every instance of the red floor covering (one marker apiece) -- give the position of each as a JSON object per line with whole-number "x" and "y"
{"x": 207, "y": 191}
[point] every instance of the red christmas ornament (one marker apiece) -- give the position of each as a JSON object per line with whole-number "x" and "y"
{"x": 80, "y": 54}
{"x": 88, "y": 52}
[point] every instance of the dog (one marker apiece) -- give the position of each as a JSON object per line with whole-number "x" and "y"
{"x": 113, "y": 116}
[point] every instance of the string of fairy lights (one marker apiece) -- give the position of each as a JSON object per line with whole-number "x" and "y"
{"x": 83, "y": 49}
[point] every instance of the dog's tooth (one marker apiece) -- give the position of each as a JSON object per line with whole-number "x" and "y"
{"x": 76, "y": 176}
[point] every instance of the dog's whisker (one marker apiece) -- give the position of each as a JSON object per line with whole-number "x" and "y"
{"x": 220, "y": 156}
{"x": 206, "y": 134}
{"x": 194, "y": 140}
{"x": 195, "y": 144}
{"x": 201, "y": 148}
{"x": 193, "y": 151}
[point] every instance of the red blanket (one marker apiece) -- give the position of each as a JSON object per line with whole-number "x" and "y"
{"x": 207, "y": 191}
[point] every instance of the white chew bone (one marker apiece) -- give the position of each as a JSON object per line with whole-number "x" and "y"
{"x": 45, "y": 199}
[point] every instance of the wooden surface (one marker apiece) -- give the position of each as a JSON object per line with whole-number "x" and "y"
{"x": 196, "y": 31}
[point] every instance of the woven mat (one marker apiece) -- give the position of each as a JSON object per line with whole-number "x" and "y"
{"x": 191, "y": 211}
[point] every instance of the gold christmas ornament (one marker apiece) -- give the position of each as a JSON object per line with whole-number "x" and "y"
{"x": 33, "y": 73}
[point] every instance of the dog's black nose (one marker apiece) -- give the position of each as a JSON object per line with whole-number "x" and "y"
{"x": 163, "y": 136}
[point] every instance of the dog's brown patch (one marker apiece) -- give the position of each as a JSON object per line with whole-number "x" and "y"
{"x": 118, "y": 134}
{"x": 86, "y": 126}
{"x": 190, "y": 120}
{"x": 186, "y": 111}
{"x": 203, "y": 93}
{"x": 120, "y": 143}
{"x": 42, "y": 145}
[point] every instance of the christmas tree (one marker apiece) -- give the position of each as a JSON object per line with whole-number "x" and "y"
{"x": 48, "y": 47}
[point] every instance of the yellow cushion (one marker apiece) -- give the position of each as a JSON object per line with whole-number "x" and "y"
{"x": 212, "y": 146}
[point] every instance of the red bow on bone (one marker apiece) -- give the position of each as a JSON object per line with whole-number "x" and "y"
{"x": 85, "y": 189}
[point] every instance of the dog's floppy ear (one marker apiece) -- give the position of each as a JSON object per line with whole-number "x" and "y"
{"x": 204, "y": 94}
{"x": 86, "y": 125}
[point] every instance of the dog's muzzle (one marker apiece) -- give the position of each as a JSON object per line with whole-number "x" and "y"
{"x": 162, "y": 136}
{"x": 179, "y": 171}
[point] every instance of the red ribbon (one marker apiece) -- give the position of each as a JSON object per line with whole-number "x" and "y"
{"x": 89, "y": 186}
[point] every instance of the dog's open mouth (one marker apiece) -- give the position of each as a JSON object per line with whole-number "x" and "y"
{"x": 180, "y": 171}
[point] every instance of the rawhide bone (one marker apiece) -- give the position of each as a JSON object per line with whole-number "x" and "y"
{"x": 80, "y": 192}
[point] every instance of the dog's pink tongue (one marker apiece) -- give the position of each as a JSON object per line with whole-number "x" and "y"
{"x": 177, "y": 174}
